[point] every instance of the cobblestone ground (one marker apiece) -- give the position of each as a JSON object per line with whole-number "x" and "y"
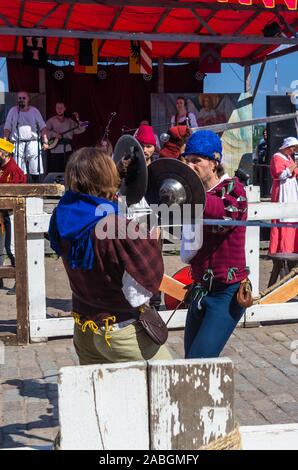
{"x": 266, "y": 381}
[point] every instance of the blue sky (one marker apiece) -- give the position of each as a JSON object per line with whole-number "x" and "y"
{"x": 230, "y": 80}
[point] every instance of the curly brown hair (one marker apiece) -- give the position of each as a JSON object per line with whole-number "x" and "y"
{"x": 91, "y": 171}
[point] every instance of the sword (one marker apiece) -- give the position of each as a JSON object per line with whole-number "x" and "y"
{"x": 251, "y": 122}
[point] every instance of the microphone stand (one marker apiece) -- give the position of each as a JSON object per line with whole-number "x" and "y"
{"x": 38, "y": 151}
{"x": 18, "y": 136}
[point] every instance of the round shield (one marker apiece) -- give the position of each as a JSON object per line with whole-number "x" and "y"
{"x": 172, "y": 182}
{"x": 184, "y": 276}
{"x": 134, "y": 184}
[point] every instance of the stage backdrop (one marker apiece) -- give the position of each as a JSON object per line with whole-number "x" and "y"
{"x": 212, "y": 109}
{"x": 95, "y": 97}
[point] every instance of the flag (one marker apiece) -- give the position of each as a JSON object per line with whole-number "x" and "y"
{"x": 35, "y": 51}
{"x": 86, "y": 55}
{"x": 140, "y": 57}
{"x": 209, "y": 60}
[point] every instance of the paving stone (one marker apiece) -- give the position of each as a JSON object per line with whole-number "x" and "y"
{"x": 279, "y": 336}
{"x": 277, "y": 415}
{"x": 10, "y": 373}
{"x": 250, "y": 418}
{"x": 264, "y": 404}
{"x": 283, "y": 398}
{"x": 290, "y": 408}
{"x": 241, "y": 404}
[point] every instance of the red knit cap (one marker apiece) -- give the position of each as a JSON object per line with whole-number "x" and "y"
{"x": 178, "y": 132}
{"x": 145, "y": 135}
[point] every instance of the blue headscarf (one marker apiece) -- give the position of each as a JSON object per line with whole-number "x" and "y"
{"x": 73, "y": 220}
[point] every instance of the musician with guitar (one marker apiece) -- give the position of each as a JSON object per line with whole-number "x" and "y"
{"x": 61, "y": 130}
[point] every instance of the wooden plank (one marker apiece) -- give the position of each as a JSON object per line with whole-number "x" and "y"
{"x": 7, "y": 272}
{"x": 191, "y": 402}
{"x": 270, "y": 436}
{"x": 272, "y": 312}
{"x": 55, "y": 327}
{"x": 21, "y": 271}
{"x": 63, "y": 326}
{"x": 272, "y": 210}
{"x": 283, "y": 293}
{"x": 111, "y": 407}
{"x": 7, "y": 203}
{"x": 172, "y": 287}
{"x": 31, "y": 190}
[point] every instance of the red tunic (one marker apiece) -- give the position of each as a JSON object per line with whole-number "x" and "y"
{"x": 11, "y": 173}
{"x": 282, "y": 239}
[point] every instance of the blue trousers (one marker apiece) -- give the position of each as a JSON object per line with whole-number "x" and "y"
{"x": 209, "y": 327}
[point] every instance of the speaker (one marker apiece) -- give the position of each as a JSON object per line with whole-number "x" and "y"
{"x": 276, "y": 133}
{"x": 52, "y": 178}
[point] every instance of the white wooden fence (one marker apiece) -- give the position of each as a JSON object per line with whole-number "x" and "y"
{"x": 42, "y": 327}
{"x": 160, "y": 405}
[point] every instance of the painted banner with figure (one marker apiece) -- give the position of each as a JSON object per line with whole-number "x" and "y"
{"x": 212, "y": 108}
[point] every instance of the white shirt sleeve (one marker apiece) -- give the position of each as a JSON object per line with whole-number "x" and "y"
{"x": 9, "y": 119}
{"x": 134, "y": 293}
{"x": 39, "y": 120}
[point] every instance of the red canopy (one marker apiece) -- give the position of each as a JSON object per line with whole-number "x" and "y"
{"x": 237, "y": 22}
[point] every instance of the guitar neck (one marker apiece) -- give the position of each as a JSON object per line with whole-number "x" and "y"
{"x": 69, "y": 130}
{"x": 82, "y": 125}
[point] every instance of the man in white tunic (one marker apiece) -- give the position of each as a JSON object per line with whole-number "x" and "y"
{"x": 24, "y": 126}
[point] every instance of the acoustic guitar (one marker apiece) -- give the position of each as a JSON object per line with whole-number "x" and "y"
{"x": 55, "y": 141}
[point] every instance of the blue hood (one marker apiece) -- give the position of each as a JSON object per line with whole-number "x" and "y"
{"x": 74, "y": 219}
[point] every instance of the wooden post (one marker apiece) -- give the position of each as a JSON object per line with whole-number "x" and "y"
{"x": 104, "y": 407}
{"x": 13, "y": 197}
{"x": 252, "y": 242}
{"x": 21, "y": 271}
{"x": 36, "y": 264}
{"x": 191, "y": 402}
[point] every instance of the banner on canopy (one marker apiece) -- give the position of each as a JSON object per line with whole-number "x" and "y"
{"x": 290, "y": 4}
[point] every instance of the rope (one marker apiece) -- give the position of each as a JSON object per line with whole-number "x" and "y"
{"x": 232, "y": 441}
